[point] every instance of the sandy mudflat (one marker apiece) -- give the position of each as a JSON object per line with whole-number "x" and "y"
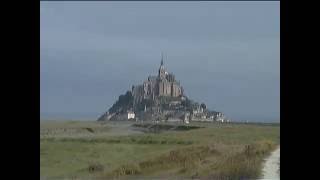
{"x": 271, "y": 166}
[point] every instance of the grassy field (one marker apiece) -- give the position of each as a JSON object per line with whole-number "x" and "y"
{"x": 92, "y": 150}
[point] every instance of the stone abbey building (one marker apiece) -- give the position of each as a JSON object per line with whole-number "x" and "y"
{"x": 164, "y": 84}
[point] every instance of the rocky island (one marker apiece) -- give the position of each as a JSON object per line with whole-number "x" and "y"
{"x": 160, "y": 98}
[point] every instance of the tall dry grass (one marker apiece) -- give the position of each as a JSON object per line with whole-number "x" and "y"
{"x": 206, "y": 162}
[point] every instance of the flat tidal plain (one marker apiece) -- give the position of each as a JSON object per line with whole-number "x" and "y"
{"x": 95, "y": 150}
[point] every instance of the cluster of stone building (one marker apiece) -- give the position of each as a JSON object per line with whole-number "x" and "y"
{"x": 164, "y": 84}
{"x": 198, "y": 114}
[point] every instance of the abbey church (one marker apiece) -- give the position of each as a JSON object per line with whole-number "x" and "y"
{"x": 164, "y": 84}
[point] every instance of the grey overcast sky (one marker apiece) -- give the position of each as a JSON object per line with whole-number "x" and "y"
{"x": 226, "y": 54}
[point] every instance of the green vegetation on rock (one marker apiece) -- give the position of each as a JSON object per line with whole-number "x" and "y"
{"x": 124, "y": 103}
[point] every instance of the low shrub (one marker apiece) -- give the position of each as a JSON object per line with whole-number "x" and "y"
{"x": 95, "y": 167}
{"x": 90, "y": 130}
{"x": 127, "y": 169}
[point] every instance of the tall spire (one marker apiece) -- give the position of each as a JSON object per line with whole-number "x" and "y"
{"x": 161, "y": 58}
{"x": 162, "y": 71}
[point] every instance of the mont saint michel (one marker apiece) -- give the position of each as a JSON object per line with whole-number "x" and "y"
{"x": 160, "y": 98}
{"x": 159, "y": 90}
